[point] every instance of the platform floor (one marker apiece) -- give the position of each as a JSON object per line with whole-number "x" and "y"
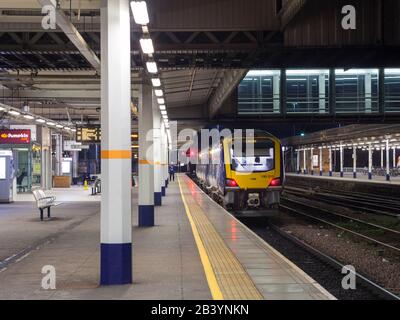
{"x": 196, "y": 251}
{"x": 349, "y": 177}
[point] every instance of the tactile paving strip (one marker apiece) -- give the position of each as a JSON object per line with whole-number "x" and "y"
{"x": 233, "y": 280}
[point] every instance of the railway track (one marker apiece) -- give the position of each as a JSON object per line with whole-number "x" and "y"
{"x": 321, "y": 267}
{"x": 356, "y": 201}
{"x": 389, "y": 239}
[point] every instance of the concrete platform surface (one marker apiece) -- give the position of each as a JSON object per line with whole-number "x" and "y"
{"x": 196, "y": 251}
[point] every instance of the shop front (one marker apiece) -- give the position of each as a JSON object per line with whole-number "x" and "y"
{"x": 26, "y": 154}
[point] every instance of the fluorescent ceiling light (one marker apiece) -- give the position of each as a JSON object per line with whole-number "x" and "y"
{"x": 158, "y": 93}
{"x": 73, "y": 130}
{"x": 67, "y": 128}
{"x": 162, "y": 107}
{"x": 2, "y": 108}
{"x": 156, "y": 82}
{"x": 29, "y": 117}
{"x": 40, "y": 120}
{"x": 49, "y": 123}
{"x": 59, "y": 126}
{"x": 165, "y": 117}
{"x": 151, "y": 67}
{"x": 161, "y": 101}
{"x": 14, "y": 113}
{"x": 147, "y": 46}
{"x": 139, "y": 11}
{"x": 145, "y": 29}
{"x": 163, "y": 112}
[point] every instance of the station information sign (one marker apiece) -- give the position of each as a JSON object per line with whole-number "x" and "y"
{"x": 16, "y": 136}
{"x": 88, "y": 134}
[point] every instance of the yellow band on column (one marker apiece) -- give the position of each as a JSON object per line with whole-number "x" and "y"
{"x": 116, "y": 154}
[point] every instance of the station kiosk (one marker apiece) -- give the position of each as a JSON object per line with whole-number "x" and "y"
{"x": 6, "y": 176}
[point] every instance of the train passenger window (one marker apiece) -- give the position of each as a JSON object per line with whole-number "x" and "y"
{"x": 259, "y": 157}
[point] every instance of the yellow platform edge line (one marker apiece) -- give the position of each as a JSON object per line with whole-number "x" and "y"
{"x": 205, "y": 260}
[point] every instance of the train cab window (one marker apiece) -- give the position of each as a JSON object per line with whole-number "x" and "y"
{"x": 261, "y": 160}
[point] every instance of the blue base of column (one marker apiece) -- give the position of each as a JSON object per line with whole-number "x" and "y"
{"x": 115, "y": 263}
{"x": 305, "y": 171}
{"x": 369, "y": 175}
{"x": 388, "y": 177}
{"x": 341, "y": 174}
{"x": 298, "y": 172}
{"x": 157, "y": 199}
{"x": 146, "y": 215}
{"x": 355, "y": 175}
{"x": 321, "y": 173}
{"x": 166, "y": 183}
{"x": 163, "y": 191}
{"x": 312, "y": 172}
{"x": 330, "y": 173}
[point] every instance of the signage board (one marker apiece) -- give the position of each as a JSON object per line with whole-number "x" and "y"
{"x": 89, "y": 134}
{"x": 26, "y": 127}
{"x": 17, "y": 136}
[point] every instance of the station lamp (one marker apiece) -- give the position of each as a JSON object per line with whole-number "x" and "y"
{"x": 151, "y": 67}
{"x": 302, "y": 134}
{"x": 51, "y": 124}
{"x": 59, "y": 126}
{"x": 163, "y": 112}
{"x": 14, "y": 113}
{"x": 2, "y": 108}
{"x": 29, "y": 117}
{"x": 161, "y": 101}
{"x": 147, "y": 46}
{"x": 158, "y": 93}
{"x": 162, "y": 107}
{"x": 156, "y": 82}
{"x": 40, "y": 120}
{"x": 140, "y": 13}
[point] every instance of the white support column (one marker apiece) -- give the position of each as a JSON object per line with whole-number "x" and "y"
{"x": 116, "y": 153}
{"x": 322, "y": 93}
{"x": 59, "y": 153}
{"x": 157, "y": 152}
{"x": 298, "y": 161}
{"x": 276, "y": 93}
{"x": 163, "y": 160}
{"x": 46, "y": 164}
{"x": 370, "y": 161}
{"x": 330, "y": 161}
{"x": 320, "y": 161}
{"x": 354, "y": 161}
{"x": 304, "y": 161}
{"x": 341, "y": 160}
{"x": 146, "y": 164}
{"x": 387, "y": 160}
{"x": 368, "y": 93}
{"x": 311, "y": 160}
{"x": 382, "y": 164}
{"x": 394, "y": 157}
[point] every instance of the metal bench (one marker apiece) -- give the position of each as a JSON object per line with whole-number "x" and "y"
{"x": 96, "y": 187}
{"x": 44, "y": 201}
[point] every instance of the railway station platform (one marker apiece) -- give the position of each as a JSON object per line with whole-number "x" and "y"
{"x": 196, "y": 250}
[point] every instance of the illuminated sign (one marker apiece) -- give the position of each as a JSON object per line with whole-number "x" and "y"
{"x": 90, "y": 134}
{"x": 15, "y": 136}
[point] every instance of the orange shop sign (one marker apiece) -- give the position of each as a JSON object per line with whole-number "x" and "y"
{"x": 15, "y": 136}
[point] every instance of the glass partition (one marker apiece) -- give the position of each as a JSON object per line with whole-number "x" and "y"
{"x": 307, "y": 91}
{"x": 392, "y": 90}
{"x": 258, "y": 93}
{"x": 356, "y": 90}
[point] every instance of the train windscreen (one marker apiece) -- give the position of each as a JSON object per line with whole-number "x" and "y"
{"x": 254, "y": 156}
